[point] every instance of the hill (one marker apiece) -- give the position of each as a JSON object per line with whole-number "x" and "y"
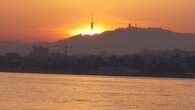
{"x": 127, "y": 41}
{"x": 120, "y": 41}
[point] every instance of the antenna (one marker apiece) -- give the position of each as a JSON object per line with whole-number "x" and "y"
{"x": 92, "y": 23}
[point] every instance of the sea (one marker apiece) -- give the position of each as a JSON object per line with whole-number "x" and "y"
{"x": 34, "y": 91}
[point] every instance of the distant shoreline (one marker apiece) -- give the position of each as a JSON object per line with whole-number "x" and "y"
{"x": 158, "y": 75}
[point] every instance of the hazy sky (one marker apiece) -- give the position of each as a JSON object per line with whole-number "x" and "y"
{"x": 50, "y": 20}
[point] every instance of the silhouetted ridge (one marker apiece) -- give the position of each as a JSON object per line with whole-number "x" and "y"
{"x": 129, "y": 40}
{"x": 120, "y": 41}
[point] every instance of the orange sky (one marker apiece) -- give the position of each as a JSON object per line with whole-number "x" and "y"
{"x": 50, "y": 20}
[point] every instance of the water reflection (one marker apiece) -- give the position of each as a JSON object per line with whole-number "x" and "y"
{"x": 69, "y": 92}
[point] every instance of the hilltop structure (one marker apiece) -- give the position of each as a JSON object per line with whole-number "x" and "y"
{"x": 92, "y": 23}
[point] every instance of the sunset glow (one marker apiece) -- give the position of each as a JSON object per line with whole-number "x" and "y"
{"x": 35, "y": 20}
{"x": 87, "y": 31}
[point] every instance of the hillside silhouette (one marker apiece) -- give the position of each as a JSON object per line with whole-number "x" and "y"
{"x": 120, "y": 41}
{"x": 127, "y": 41}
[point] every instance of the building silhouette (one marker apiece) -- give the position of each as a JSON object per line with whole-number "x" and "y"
{"x": 39, "y": 51}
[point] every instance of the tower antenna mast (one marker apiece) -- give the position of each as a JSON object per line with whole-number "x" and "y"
{"x": 92, "y": 23}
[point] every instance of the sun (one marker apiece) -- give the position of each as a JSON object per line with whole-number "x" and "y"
{"x": 88, "y": 31}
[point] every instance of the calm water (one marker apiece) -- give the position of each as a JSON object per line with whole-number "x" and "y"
{"x": 69, "y": 92}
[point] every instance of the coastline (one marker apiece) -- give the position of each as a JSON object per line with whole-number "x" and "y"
{"x": 98, "y": 73}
